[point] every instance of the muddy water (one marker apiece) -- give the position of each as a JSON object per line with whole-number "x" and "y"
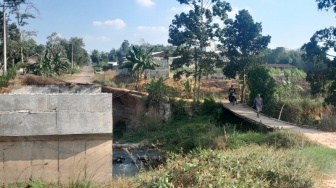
{"x": 128, "y": 164}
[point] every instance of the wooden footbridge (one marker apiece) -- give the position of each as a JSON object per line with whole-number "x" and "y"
{"x": 243, "y": 111}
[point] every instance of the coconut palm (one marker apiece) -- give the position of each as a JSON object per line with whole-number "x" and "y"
{"x": 137, "y": 61}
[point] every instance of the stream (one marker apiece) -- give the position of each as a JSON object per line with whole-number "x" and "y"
{"x": 129, "y": 164}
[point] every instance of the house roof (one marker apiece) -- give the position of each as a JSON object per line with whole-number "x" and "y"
{"x": 158, "y": 54}
{"x": 34, "y": 58}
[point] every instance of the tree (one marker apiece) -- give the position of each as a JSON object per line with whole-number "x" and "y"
{"x": 321, "y": 70}
{"x": 123, "y": 51}
{"x": 55, "y": 44}
{"x": 21, "y": 17}
{"x": 191, "y": 33}
{"x": 14, "y": 44}
{"x": 95, "y": 56}
{"x": 261, "y": 82}
{"x": 281, "y": 55}
{"x": 243, "y": 42}
{"x": 112, "y": 56}
{"x": 326, "y": 4}
{"x": 76, "y": 52}
{"x": 137, "y": 62}
{"x": 323, "y": 64}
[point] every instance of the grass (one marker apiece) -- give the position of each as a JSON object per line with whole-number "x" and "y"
{"x": 40, "y": 184}
{"x": 251, "y": 166}
{"x": 246, "y": 159}
{"x": 324, "y": 157}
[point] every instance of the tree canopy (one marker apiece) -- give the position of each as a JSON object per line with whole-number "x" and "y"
{"x": 191, "y": 33}
{"x": 242, "y": 42}
{"x": 323, "y": 65}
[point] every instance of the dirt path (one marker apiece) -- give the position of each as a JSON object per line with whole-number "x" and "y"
{"x": 84, "y": 77}
{"x": 327, "y": 139}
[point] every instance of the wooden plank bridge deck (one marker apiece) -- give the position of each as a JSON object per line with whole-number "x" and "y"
{"x": 327, "y": 139}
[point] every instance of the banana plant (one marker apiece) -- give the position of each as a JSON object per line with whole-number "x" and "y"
{"x": 138, "y": 61}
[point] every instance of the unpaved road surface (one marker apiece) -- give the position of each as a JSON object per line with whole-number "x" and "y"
{"x": 327, "y": 139}
{"x": 84, "y": 77}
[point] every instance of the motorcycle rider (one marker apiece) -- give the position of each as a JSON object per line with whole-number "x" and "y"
{"x": 232, "y": 92}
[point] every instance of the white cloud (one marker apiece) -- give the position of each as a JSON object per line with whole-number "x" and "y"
{"x": 180, "y": 9}
{"x": 116, "y": 23}
{"x": 146, "y": 3}
{"x": 160, "y": 29}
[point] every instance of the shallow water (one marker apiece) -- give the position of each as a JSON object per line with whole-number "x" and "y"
{"x": 128, "y": 167}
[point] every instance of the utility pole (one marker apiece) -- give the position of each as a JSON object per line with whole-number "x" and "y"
{"x": 72, "y": 65}
{"x": 4, "y": 39}
{"x": 9, "y": 4}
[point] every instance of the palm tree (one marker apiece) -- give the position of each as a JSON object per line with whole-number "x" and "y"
{"x": 137, "y": 61}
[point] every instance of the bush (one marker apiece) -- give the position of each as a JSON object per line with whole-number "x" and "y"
{"x": 11, "y": 73}
{"x": 304, "y": 111}
{"x": 276, "y": 139}
{"x": 328, "y": 124}
{"x": 179, "y": 109}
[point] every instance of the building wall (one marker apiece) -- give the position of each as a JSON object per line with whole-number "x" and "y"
{"x": 55, "y": 137}
{"x": 161, "y": 71}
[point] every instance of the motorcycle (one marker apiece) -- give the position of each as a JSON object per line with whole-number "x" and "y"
{"x": 233, "y": 99}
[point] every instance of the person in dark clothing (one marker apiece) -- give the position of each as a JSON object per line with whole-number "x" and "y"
{"x": 232, "y": 92}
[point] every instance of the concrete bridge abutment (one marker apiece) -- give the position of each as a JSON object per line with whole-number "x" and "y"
{"x": 59, "y": 137}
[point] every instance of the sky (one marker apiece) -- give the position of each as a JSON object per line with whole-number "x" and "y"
{"x": 105, "y": 24}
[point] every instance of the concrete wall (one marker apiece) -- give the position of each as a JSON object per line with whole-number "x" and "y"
{"x": 61, "y": 159}
{"x": 128, "y": 106}
{"x": 57, "y": 89}
{"x": 55, "y": 137}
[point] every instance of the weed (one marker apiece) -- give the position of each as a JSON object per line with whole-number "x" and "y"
{"x": 328, "y": 124}
{"x": 251, "y": 166}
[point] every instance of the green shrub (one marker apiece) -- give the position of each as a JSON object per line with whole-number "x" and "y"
{"x": 152, "y": 122}
{"x": 304, "y": 111}
{"x": 11, "y": 73}
{"x": 328, "y": 124}
{"x": 157, "y": 90}
{"x": 179, "y": 109}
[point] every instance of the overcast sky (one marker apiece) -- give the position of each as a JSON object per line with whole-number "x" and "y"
{"x": 105, "y": 24}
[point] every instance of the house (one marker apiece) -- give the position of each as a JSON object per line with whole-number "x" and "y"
{"x": 112, "y": 65}
{"x": 34, "y": 58}
{"x": 163, "y": 69}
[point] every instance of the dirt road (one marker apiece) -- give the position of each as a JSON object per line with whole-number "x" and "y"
{"x": 84, "y": 77}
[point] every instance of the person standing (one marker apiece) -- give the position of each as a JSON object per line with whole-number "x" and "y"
{"x": 258, "y": 102}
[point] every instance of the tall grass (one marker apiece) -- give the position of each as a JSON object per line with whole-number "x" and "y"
{"x": 11, "y": 73}
{"x": 301, "y": 111}
{"x": 41, "y": 184}
{"x": 251, "y": 166}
